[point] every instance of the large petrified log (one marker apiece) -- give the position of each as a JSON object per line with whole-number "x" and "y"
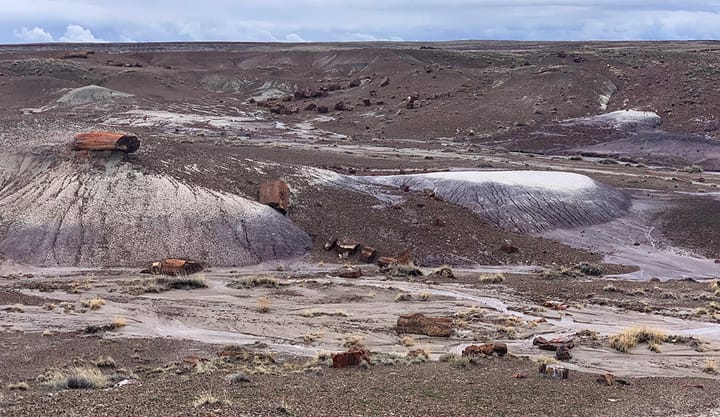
{"x": 352, "y": 357}
{"x": 275, "y": 194}
{"x": 419, "y": 324}
{"x": 172, "y": 266}
{"x": 486, "y": 349}
{"x": 105, "y": 141}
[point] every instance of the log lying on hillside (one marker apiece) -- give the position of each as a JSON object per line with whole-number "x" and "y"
{"x": 275, "y": 194}
{"x": 172, "y": 266}
{"x": 419, "y": 324}
{"x": 105, "y": 141}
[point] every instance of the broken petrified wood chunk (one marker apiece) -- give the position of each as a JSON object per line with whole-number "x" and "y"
{"x": 348, "y": 245}
{"x": 173, "y": 266}
{"x": 352, "y": 357}
{"x": 419, "y": 324}
{"x": 275, "y": 194}
{"x": 350, "y": 273}
{"x": 385, "y": 261}
{"x": 562, "y": 353}
{"x": 607, "y": 379}
{"x": 105, "y": 141}
{"x": 367, "y": 254}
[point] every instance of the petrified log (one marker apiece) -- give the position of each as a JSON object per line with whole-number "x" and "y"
{"x": 562, "y": 353}
{"x": 105, "y": 141}
{"x": 275, "y": 194}
{"x": 348, "y": 245}
{"x": 350, "y": 273}
{"x": 419, "y": 324}
{"x": 172, "y": 266}
{"x": 553, "y": 344}
{"x": 486, "y": 349}
{"x": 384, "y": 261}
{"x": 352, "y": 357}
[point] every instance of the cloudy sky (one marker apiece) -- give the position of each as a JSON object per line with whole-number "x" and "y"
{"x": 28, "y": 21}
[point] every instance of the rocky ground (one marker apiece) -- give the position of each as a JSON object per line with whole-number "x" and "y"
{"x": 609, "y": 224}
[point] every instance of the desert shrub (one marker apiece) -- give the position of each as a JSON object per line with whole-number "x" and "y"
{"x": 15, "y": 308}
{"x": 93, "y": 304}
{"x": 83, "y": 378}
{"x": 353, "y": 341}
{"x": 424, "y": 296}
{"x": 105, "y": 362}
{"x": 590, "y": 269}
{"x": 317, "y": 313}
{"x": 407, "y": 341}
{"x": 263, "y": 304}
{"x": 631, "y": 337}
{"x": 256, "y": 281}
{"x": 207, "y": 398}
{"x": 183, "y": 282}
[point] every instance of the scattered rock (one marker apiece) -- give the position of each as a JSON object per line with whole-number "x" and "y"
{"x": 385, "y": 81}
{"x": 331, "y": 243}
{"x": 509, "y": 248}
{"x": 607, "y": 379}
{"x": 444, "y": 272}
{"x": 419, "y": 324}
{"x": 348, "y": 245}
{"x": 486, "y": 349}
{"x": 354, "y": 83}
{"x": 340, "y": 106}
{"x": 322, "y": 109}
{"x": 311, "y": 106}
{"x": 366, "y": 102}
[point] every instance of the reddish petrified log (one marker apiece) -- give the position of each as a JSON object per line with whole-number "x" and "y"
{"x": 367, "y": 254}
{"x": 276, "y": 194}
{"x": 352, "y": 357}
{"x": 172, "y": 266}
{"x": 552, "y": 344}
{"x": 105, "y": 141}
{"x": 486, "y": 349}
{"x": 419, "y": 324}
{"x": 350, "y": 273}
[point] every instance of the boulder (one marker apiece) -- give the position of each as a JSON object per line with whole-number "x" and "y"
{"x": 340, "y": 106}
{"x": 322, "y": 109}
{"x": 419, "y": 324}
{"x": 311, "y": 106}
{"x": 275, "y": 194}
{"x": 562, "y": 353}
{"x": 366, "y": 102}
{"x": 354, "y": 83}
{"x": 352, "y": 357}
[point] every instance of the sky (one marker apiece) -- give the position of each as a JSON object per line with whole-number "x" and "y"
{"x": 40, "y": 21}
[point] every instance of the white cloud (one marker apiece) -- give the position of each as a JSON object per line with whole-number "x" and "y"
{"x": 294, "y": 37}
{"x": 78, "y": 34}
{"x": 34, "y": 35}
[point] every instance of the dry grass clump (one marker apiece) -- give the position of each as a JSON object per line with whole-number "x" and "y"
{"x": 353, "y": 341}
{"x": 424, "y": 296}
{"x": 495, "y": 278}
{"x": 403, "y": 296}
{"x": 473, "y": 312}
{"x": 710, "y": 367}
{"x": 77, "y": 378}
{"x": 207, "y": 398}
{"x": 611, "y": 288}
{"x": 631, "y": 337}
{"x": 19, "y": 386}
{"x": 15, "y": 308}
{"x": 93, "y": 304}
{"x": 118, "y": 322}
{"x": 256, "y": 281}
{"x": 407, "y": 341}
{"x": 263, "y": 304}
{"x": 312, "y": 337}
{"x": 49, "y": 306}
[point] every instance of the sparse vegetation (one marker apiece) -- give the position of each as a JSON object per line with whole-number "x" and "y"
{"x": 424, "y": 296}
{"x": 611, "y": 288}
{"x": 93, "y": 304}
{"x": 631, "y": 337}
{"x": 317, "y": 313}
{"x": 117, "y": 323}
{"x": 353, "y": 341}
{"x": 710, "y": 367}
{"x": 77, "y": 378}
{"x": 105, "y": 362}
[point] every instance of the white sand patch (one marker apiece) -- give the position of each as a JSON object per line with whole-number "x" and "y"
{"x": 549, "y": 180}
{"x": 91, "y": 94}
{"x": 621, "y": 118}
